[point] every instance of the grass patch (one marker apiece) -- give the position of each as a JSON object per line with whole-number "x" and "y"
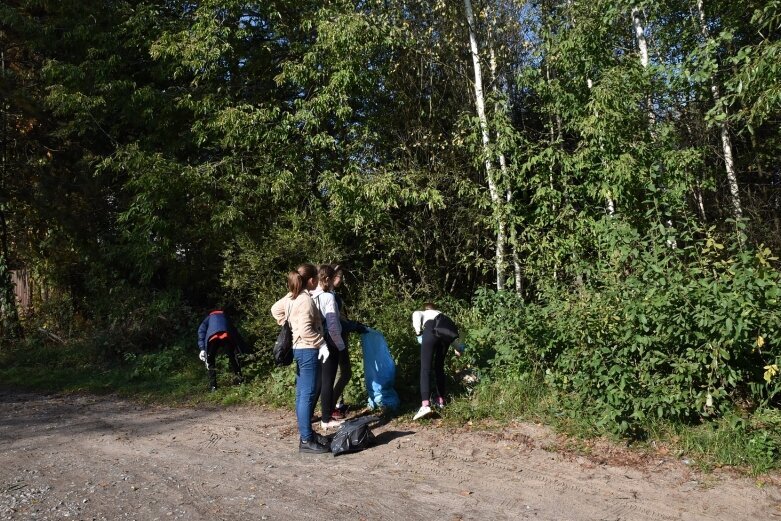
{"x": 504, "y": 400}
{"x": 750, "y": 443}
{"x": 172, "y": 376}
{"x": 178, "y": 387}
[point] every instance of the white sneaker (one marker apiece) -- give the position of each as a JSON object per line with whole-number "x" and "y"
{"x": 424, "y": 411}
{"x": 333, "y": 424}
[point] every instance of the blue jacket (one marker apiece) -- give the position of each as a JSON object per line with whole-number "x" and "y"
{"x": 218, "y": 322}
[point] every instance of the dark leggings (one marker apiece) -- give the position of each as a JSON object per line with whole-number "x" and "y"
{"x": 211, "y": 357}
{"x": 345, "y": 373}
{"x": 432, "y": 349}
{"x": 327, "y": 377}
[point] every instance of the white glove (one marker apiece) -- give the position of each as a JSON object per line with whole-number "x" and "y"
{"x": 323, "y": 353}
{"x": 202, "y": 356}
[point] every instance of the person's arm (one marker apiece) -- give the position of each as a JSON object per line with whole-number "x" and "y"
{"x": 417, "y": 319}
{"x": 202, "y": 333}
{"x": 279, "y": 309}
{"x": 331, "y": 315}
{"x": 353, "y": 326}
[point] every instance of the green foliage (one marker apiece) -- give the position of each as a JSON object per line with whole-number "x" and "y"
{"x": 504, "y": 398}
{"x": 159, "y": 364}
{"x": 169, "y": 375}
{"x": 679, "y": 334}
{"x": 162, "y": 157}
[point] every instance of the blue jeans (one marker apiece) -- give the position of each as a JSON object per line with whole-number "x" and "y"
{"x": 307, "y": 374}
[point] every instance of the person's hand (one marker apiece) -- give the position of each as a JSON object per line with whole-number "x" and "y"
{"x": 459, "y": 348}
{"x": 323, "y": 353}
{"x": 202, "y": 355}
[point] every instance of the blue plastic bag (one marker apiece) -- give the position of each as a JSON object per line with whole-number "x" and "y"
{"x": 379, "y": 371}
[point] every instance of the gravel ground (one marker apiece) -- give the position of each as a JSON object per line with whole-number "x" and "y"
{"x": 95, "y": 458}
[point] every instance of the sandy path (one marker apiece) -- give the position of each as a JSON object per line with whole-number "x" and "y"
{"x": 66, "y": 457}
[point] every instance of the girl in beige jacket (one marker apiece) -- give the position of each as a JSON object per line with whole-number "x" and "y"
{"x": 309, "y": 347}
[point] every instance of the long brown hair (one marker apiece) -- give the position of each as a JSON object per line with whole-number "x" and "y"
{"x": 295, "y": 283}
{"x": 296, "y": 280}
{"x": 326, "y": 274}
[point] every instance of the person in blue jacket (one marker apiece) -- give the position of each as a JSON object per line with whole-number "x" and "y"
{"x": 215, "y": 332}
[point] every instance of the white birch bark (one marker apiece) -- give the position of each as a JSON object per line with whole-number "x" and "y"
{"x": 726, "y": 142}
{"x": 501, "y": 85}
{"x": 642, "y": 46}
{"x": 496, "y": 199}
{"x": 552, "y": 132}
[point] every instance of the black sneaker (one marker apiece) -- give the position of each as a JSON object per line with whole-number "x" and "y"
{"x": 312, "y": 447}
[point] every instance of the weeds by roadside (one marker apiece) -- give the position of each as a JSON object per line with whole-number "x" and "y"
{"x": 749, "y": 442}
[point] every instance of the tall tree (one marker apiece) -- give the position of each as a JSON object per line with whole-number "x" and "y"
{"x": 493, "y": 188}
{"x": 10, "y": 327}
{"x": 721, "y": 122}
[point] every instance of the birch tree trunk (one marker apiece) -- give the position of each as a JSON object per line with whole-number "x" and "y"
{"x": 610, "y": 203}
{"x": 493, "y": 189}
{"x": 726, "y": 142}
{"x": 642, "y": 45}
{"x": 499, "y": 84}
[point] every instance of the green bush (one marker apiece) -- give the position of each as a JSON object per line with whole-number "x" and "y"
{"x": 678, "y": 334}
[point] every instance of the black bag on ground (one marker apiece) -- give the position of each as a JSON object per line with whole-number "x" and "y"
{"x": 353, "y": 435}
{"x": 283, "y": 347}
{"x": 445, "y": 329}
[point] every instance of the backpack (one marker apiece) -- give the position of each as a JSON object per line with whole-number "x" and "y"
{"x": 445, "y": 329}
{"x": 283, "y": 347}
{"x": 353, "y": 436}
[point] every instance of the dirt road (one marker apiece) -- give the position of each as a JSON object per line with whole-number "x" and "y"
{"x": 66, "y": 457}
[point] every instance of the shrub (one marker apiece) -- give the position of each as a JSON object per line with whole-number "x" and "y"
{"x": 678, "y": 334}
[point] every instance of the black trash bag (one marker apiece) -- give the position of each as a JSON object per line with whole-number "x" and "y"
{"x": 353, "y": 435}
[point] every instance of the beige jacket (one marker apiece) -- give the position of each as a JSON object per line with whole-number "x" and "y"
{"x": 305, "y": 320}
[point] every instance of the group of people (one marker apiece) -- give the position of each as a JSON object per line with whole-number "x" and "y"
{"x": 314, "y": 313}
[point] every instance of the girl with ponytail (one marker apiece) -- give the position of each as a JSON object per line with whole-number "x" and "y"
{"x": 298, "y": 308}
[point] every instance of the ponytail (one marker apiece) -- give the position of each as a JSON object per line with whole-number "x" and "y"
{"x": 295, "y": 283}
{"x": 297, "y": 280}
